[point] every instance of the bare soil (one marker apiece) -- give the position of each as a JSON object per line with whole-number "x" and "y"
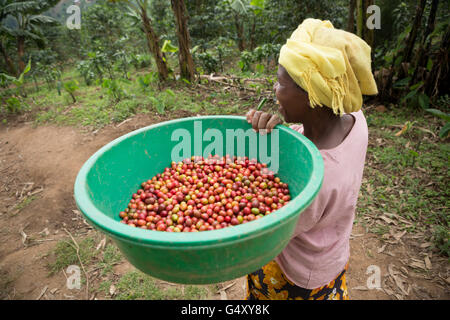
{"x": 38, "y": 167}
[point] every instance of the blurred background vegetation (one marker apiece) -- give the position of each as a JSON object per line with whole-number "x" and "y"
{"x": 183, "y": 40}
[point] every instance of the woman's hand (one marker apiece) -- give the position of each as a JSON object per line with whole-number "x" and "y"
{"x": 262, "y": 120}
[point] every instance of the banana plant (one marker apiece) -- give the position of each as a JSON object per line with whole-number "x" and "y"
{"x": 29, "y": 18}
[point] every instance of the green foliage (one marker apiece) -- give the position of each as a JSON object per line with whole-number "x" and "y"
{"x": 85, "y": 68}
{"x": 140, "y": 61}
{"x": 13, "y": 98}
{"x": 441, "y": 239}
{"x": 114, "y": 89}
{"x": 111, "y": 256}
{"x": 207, "y": 61}
{"x": 168, "y": 47}
{"x": 445, "y": 130}
{"x": 70, "y": 87}
{"x": 262, "y": 54}
{"x": 246, "y": 61}
{"x": 65, "y": 254}
{"x": 136, "y": 285}
{"x": 145, "y": 81}
{"x": 13, "y": 105}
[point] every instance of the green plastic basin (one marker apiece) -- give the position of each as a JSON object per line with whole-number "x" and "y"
{"x": 107, "y": 180}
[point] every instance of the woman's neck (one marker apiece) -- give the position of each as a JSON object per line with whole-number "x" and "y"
{"x": 325, "y": 129}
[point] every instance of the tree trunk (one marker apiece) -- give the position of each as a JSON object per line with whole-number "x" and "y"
{"x": 423, "y": 52}
{"x": 438, "y": 79}
{"x": 152, "y": 41}
{"x": 21, "y": 52}
{"x": 351, "y": 17}
{"x": 368, "y": 33}
{"x": 9, "y": 64}
{"x": 407, "y": 52}
{"x": 360, "y": 14}
{"x": 184, "y": 40}
{"x": 252, "y": 34}
{"x": 415, "y": 29}
{"x": 240, "y": 33}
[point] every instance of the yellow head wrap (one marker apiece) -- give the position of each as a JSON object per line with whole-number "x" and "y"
{"x": 332, "y": 65}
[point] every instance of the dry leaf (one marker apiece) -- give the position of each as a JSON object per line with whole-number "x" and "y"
{"x": 42, "y": 293}
{"x": 391, "y": 270}
{"x": 426, "y": 244}
{"x": 402, "y": 131}
{"x": 112, "y": 290}
{"x": 400, "y": 284}
{"x": 398, "y": 235}
{"x": 427, "y": 263}
{"x": 223, "y": 295}
{"x": 386, "y": 219}
{"x": 380, "y": 250}
{"x": 362, "y": 288}
{"x": 101, "y": 244}
{"x": 404, "y": 270}
{"x": 417, "y": 264}
{"x": 389, "y": 292}
{"x": 44, "y": 232}
{"x": 227, "y": 287}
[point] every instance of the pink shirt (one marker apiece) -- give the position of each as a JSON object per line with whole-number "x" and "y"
{"x": 320, "y": 246}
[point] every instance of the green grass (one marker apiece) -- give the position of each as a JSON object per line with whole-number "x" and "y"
{"x": 136, "y": 285}
{"x": 111, "y": 256}
{"x": 25, "y": 202}
{"x": 65, "y": 254}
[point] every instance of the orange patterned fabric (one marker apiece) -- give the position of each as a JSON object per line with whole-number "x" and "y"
{"x": 270, "y": 283}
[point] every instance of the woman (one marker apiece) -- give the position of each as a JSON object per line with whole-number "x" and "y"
{"x": 323, "y": 73}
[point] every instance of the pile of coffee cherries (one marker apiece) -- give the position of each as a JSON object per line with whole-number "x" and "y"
{"x": 200, "y": 194}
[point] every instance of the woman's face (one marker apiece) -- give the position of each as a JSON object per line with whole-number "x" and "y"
{"x": 293, "y": 99}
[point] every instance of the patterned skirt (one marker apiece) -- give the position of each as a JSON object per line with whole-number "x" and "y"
{"x": 270, "y": 283}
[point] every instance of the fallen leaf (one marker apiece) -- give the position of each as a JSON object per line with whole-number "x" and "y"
{"x": 426, "y": 244}
{"x": 44, "y": 232}
{"x": 112, "y": 290}
{"x": 101, "y": 244}
{"x": 223, "y": 295}
{"x": 227, "y": 287}
{"x": 386, "y": 219}
{"x": 416, "y": 264}
{"x": 389, "y": 292}
{"x": 398, "y": 235}
{"x": 42, "y": 293}
{"x": 362, "y": 288}
{"x": 380, "y": 250}
{"x": 404, "y": 270}
{"x": 402, "y": 131}
{"x": 427, "y": 263}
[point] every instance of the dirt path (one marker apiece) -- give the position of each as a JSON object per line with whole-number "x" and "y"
{"x": 38, "y": 167}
